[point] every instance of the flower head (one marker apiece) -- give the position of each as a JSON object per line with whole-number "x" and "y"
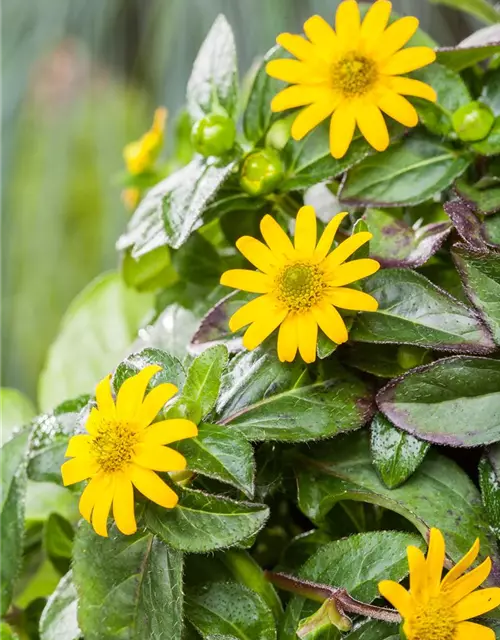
{"x": 301, "y": 285}
{"x": 122, "y": 449}
{"x": 352, "y": 72}
{"x": 141, "y": 155}
{"x": 436, "y": 609}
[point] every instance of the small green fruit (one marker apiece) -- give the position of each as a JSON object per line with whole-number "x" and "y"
{"x": 214, "y": 135}
{"x": 473, "y": 121}
{"x": 261, "y": 172}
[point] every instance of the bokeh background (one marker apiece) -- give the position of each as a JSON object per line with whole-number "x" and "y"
{"x": 80, "y": 79}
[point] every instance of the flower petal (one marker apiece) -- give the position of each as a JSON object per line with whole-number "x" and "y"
{"x": 351, "y": 299}
{"x": 152, "y": 487}
{"x": 473, "y": 631}
{"x": 131, "y": 394}
{"x": 78, "y": 446}
{"x": 78, "y": 469}
{"x": 158, "y": 458}
{"x": 372, "y": 125}
{"x": 328, "y": 236}
{"x": 408, "y": 60}
{"x": 252, "y": 311}
{"x": 305, "y": 231}
{"x": 307, "y": 331}
{"x": 375, "y": 22}
{"x": 168, "y": 431}
{"x": 461, "y": 566}
{"x": 298, "y": 95}
{"x": 154, "y": 401}
{"x": 330, "y": 322}
{"x": 104, "y": 398}
{"x": 276, "y": 239}
{"x": 102, "y": 507}
{"x": 346, "y": 249}
{"x": 397, "y": 595}
{"x": 297, "y": 46}
{"x": 396, "y": 36}
{"x": 123, "y": 505}
{"x": 262, "y": 328}
{"x": 322, "y": 35}
{"x": 470, "y": 581}
{"x": 93, "y": 421}
{"x": 398, "y": 108}
{"x": 342, "y": 126}
{"x": 352, "y": 271}
{"x": 435, "y": 560}
{"x": 477, "y": 603}
{"x": 418, "y": 572}
{"x": 312, "y": 116}
{"x": 246, "y": 280}
{"x": 288, "y": 339}
{"x": 411, "y": 87}
{"x": 347, "y": 23}
{"x": 292, "y": 71}
{"x": 92, "y": 491}
{"x": 258, "y": 254}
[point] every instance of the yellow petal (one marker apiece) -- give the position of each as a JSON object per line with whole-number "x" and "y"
{"x": 252, "y": 311}
{"x": 395, "y": 37}
{"x": 78, "y": 446}
{"x": 297, "y": 46}
{"x": 322, "y": 35}
{"x": 104, "y": 398}
{"x": 153, "y": 487}
{"x": 299, "y": 95}
{"x": 352, "y": 271}
{"x": 461, "y": 566}
{"x": 305, "y": 231}
{"x": 346, "y": 249}
{"x": 477, "y": 603}
{"x": 262, "y": 328}
{"x": 131, "y": 394}
{"x": 330, "y": 322}
{"x": 93, "y": 421}
{"x": 168, "y": 431}
{"x": 411, "y": 87}
{"x": 435, "y": 560}
{"x": 372, "y": 125}
{"x": 123, "y": 505}
{"x": 276, "y": 239}
{"x": 288, "y": 339}
{"x": 312, "y": 116}
{"x": 154, "y": 401}
{"x": 351, "y": 299}
{"x": 342, "y": 128}
{"x": 470, "y": 581}
{"x": 258, "y": 254}
{"x": 375, "y": 21}
{"x": 292, "y": 71}
{"x": 408, "y": 60}
{"x": 347, "y": 23}
{"x": 397, "y": 595}
{"x": 327, "y": 237}
{"x": 92, "y": 491}
{"x": 246, "y": 280}
{"x": 398, "y": 108}
{"x": 101, "y": 509}
{"x": 473, "y": 631}
{"x": 158, "y": 458}
{"x": 418, "y": 572}
{"x": 307, "y": 331}
{"x": 78, "y": 469}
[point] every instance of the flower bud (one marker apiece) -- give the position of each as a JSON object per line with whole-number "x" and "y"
{"x": 473, "y": 121}
{"x": 213, "y": 135}
{"x": 261, "y": 172}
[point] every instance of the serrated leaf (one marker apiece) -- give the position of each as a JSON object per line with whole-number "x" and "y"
{"x": 396, "y": 454}
{"x": 97, "y": 329}
{"x": 269, "y": 400}
{"x": 336, "y": 564}
{"x": 129, "y": 587}
{"x": 224, "y": 522}
{"x": 221, "y": 453}
{"x": 408, "y": 173}
{"x": 412, "y": 310}
{"x": 59, "y": 617}
{"x": 439, "y": 494}
{"x": 204, "y": 378}
{"x": 214, "y": 78}
{"x": 454, "y": 401}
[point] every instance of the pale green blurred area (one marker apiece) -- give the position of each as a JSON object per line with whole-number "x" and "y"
{"x": 80, "y": 79}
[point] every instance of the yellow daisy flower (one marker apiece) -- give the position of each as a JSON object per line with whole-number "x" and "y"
{"x": 302, "y": 285}
{"x": 122, "y": 449}
{"x": 141, "y": 155}
{"x": 353, "y": 72}
{"x": 436, "y": 609}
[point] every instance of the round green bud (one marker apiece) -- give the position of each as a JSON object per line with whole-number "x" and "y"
{"x": 410, "y": 357}
{"x": 186, "y": 409}
{"x": 473, "y": 121}
{"x": 261, "y": 172}
{"x": 213, "y": 135}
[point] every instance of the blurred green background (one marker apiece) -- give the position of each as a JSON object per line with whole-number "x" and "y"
{"x": 80, "y": 79}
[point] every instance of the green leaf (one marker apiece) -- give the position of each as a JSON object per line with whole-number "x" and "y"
{"x": 408, "y": 173}
{"x": 465, "y": 221}
{"x": 337, "y": 564}
{"x": 489, "y": 481}
{"x": 13, "y": 455}
{"x": 380, "y": 360}
{"x": 7, "y": 632}
{"x": 171, "y": 369}
{"x": 59, "y": 618}
{"x": 129, "y": 587}
{"x": 491, "y": 230}
{"x": 412, "y": 310}
{"x": 97, "y": 329}
{"x": 58, "y": 541}
{"x": 204, "y": 378}
{"x": 221, "y": 453}
{"x": 396, "y": 454}
{"x": 197, "y": 261}
{"x": 439, "y": 494}
{"x": 490, "y": 95}
{"x": 268, "y": 400}
{"x": 224, "y": 522}
{"x": 490, "y": 146}
{"x": 454, "y": 401}
{"x": 480, "y": 272}
{"x": 486, "y": 200}
{"x": 464, "y": 56}
{"x": 16, "y": 410}
{"x": 481, "y": 9}
{"x": 214, "y": 78}
{"x": 373, "y": 630}
{"x": 396, "y": 244}
{"x": 150, "y": 272}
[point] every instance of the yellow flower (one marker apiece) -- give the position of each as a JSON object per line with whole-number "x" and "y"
{"x": 122, "y": 449}
{"x": 302, "y": 285}
{"x": 436, "y": 609}
{"x": 352, "y": 73}
{"x": 141, "y": 155}
{"x": 131, "y": 197}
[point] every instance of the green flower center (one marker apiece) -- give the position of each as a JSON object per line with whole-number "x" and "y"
{"x": 354, "y": 75}
{"x": 113, "y": 445}
{"x": 300, "y": 286}
{"x": 434, "y": 620}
